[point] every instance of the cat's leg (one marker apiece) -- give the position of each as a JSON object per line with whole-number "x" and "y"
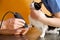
{"x": 43, "y": 33}
{"x": 44, "y": 29}
{"x": 30, "y": 21}
{"x": 56, "y": 30}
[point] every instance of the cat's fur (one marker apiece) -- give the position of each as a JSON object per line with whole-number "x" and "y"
{"x": 44, "y": 28}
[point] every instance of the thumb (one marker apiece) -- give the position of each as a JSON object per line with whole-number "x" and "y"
{"x": 26, "y": 30}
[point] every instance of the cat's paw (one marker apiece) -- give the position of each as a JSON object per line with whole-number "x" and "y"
{"x": 41, "y": 36}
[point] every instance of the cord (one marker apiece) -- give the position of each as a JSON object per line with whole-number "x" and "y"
{"x": 4, "y": 17}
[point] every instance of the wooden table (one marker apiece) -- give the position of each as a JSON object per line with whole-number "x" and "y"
{"x": 32, "y": 34}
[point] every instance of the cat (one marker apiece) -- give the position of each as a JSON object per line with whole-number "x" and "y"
{"x": 43, "y": 27}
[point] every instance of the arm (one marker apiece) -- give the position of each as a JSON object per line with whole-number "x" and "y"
{"x": 39, "y": 15}
{"x": 53, "y": 7}
{"x": 55, "y": 22}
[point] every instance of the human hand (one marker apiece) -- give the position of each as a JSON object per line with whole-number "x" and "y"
{"x": 14, "y": 26}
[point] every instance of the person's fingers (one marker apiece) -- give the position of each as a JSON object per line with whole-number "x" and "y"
{"x": 15, "y": 21}
{"x": 25, "y": 31}
{"x": 17, "y": 26}
{"x": 19, "y": 23}
{"x": 20, "y": 20}
{"x": 18, "y": 31}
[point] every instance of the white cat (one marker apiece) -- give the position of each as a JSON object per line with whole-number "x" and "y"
{"x": 44, "y": 28}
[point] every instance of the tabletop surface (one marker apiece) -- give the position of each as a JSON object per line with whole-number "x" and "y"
{"x": 33, "y": 34}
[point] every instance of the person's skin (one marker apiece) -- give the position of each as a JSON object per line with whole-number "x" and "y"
{"x": 38, "y": 15}
{"x": 13, "y": 26}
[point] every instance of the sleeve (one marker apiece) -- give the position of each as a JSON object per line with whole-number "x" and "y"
{"x": 51, "y": 6}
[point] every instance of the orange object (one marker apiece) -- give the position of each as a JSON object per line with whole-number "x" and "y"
{"x": 21, "y": 6}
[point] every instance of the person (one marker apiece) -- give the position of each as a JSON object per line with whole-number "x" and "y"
{"x": 53, "y": 7}
{"x": 13, "y": 26}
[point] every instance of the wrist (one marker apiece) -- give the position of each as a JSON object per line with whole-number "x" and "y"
{"x": 3, "y": 26}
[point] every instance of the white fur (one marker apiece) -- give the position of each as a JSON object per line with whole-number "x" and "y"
{"x": 39, "y": 25}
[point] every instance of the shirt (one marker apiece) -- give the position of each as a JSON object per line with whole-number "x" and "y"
{"x": 52, "y": 5}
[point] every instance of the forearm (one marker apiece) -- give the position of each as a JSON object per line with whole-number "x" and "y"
{"x": 55, "y": 22}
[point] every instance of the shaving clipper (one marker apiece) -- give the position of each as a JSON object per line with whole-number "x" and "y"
{"x": 17, "y": 15}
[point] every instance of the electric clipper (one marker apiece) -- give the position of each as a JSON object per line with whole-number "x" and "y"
{"x": 17, "y": 15}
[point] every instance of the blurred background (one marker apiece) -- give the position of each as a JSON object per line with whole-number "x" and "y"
{"x": 21, "y": 6}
